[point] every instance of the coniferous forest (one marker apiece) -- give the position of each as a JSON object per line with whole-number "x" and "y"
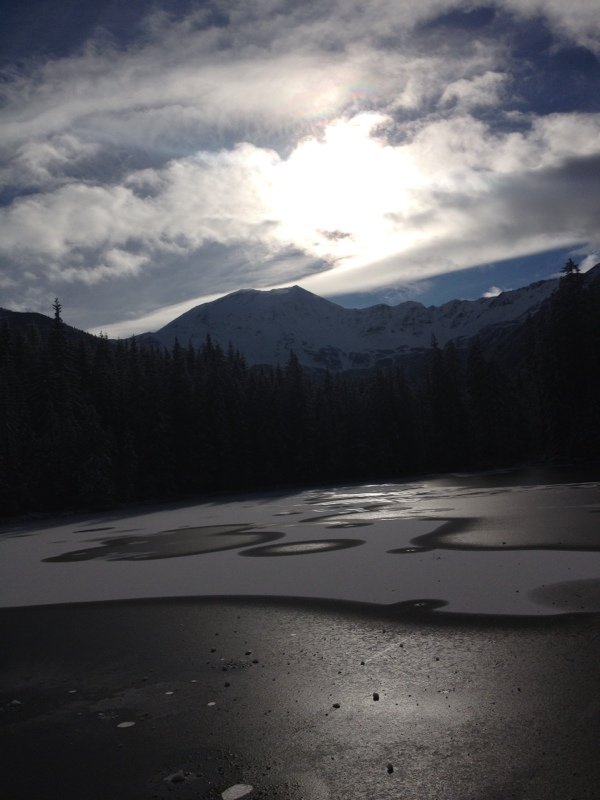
{"x": 89, "y": 423}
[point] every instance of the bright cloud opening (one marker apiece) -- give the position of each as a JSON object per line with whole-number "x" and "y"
{"x": 338, "y": 196}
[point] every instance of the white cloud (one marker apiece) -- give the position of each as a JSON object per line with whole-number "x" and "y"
{"x": 468, "y": 93}
{"x": 348, "y": 198}
{"x": 109, "y": 93}
{"x": 43, "y": 161}
{"x": 115, "y": 264}
{"x": 209, "y": 197}
{"x": 152, "y": 321}
{"x": 279, "y": 69}
{"x": 156, "y": 97}
{"x": 591, "y": 260}
{"x": 493, "y": 291}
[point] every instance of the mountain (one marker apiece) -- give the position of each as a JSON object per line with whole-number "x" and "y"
{"x": 28, "y": 322}
{"x": 266, "y": 326}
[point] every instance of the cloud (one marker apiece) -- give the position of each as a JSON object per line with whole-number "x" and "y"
{"x": 453, "y": 195}
{"x": 46, "y": 161}
{"x": 328, "y": 143}
{"x": 482, "y": 90}
{"x": 115, "y": 264}
{"x": 175, "y": 93}
{"x": 6, "y": 281}
{"x": 578, "y": 20}
{"x": 214, "y": 197}
{"x": 591, "y": 260}
{"x": 493, "y": 291}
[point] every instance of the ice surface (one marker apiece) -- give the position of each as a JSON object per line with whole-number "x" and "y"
{"x": 506, "y": 544}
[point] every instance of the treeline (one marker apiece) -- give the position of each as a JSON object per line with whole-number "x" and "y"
{"x": 88, "y": 423}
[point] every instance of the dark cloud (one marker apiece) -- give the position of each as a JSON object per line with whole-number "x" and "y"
{"x": 564, "y": 198}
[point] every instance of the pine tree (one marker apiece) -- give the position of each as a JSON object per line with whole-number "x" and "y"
{"x": 57, "y": 309}
{"x": 570, "y": 268}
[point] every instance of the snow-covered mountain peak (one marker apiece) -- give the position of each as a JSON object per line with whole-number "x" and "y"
{"x": 266, "y": 326}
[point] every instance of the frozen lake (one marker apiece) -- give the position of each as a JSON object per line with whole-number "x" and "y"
{"x": 517, "y": 543}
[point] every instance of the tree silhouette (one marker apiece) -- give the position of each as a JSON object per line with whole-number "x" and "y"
{"x": 57, "y": 309}
{"x": 570, "y": 268}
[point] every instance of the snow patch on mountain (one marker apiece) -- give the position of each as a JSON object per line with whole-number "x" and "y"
{"x": 266, "y": 326}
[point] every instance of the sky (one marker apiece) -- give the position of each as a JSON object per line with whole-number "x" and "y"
{"x": 154, "y": 156}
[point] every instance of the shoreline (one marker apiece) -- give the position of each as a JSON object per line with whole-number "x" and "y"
{"x": 421, "y": 611}
{"x": 35, "y": 519}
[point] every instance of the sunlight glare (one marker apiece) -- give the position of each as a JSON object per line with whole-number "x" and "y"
{"x": 344, "y": 196}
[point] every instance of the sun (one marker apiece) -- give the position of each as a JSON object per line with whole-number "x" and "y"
{"x": 343, "y": 196}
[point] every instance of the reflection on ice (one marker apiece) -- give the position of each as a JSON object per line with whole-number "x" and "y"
{"x": 354, "y": 524}
{"x": 499, "y": 544}
{"x": 302, "y": 548}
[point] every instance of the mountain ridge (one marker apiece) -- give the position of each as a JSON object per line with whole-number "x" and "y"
{"x": 267, "y": 326}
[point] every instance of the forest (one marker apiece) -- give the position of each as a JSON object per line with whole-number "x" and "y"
{"x": 89, "y": 423}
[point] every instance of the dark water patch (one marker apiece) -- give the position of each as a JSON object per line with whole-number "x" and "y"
{"x": 478, "y": 534}
{"x": 93, "y": 530}
{"x": 309, "y": 547}
{"x": 574, "y": 596}
{"x": 15, "y": 534}
{"x": 322, "y": 517}
{"x": 172, "y": 544}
